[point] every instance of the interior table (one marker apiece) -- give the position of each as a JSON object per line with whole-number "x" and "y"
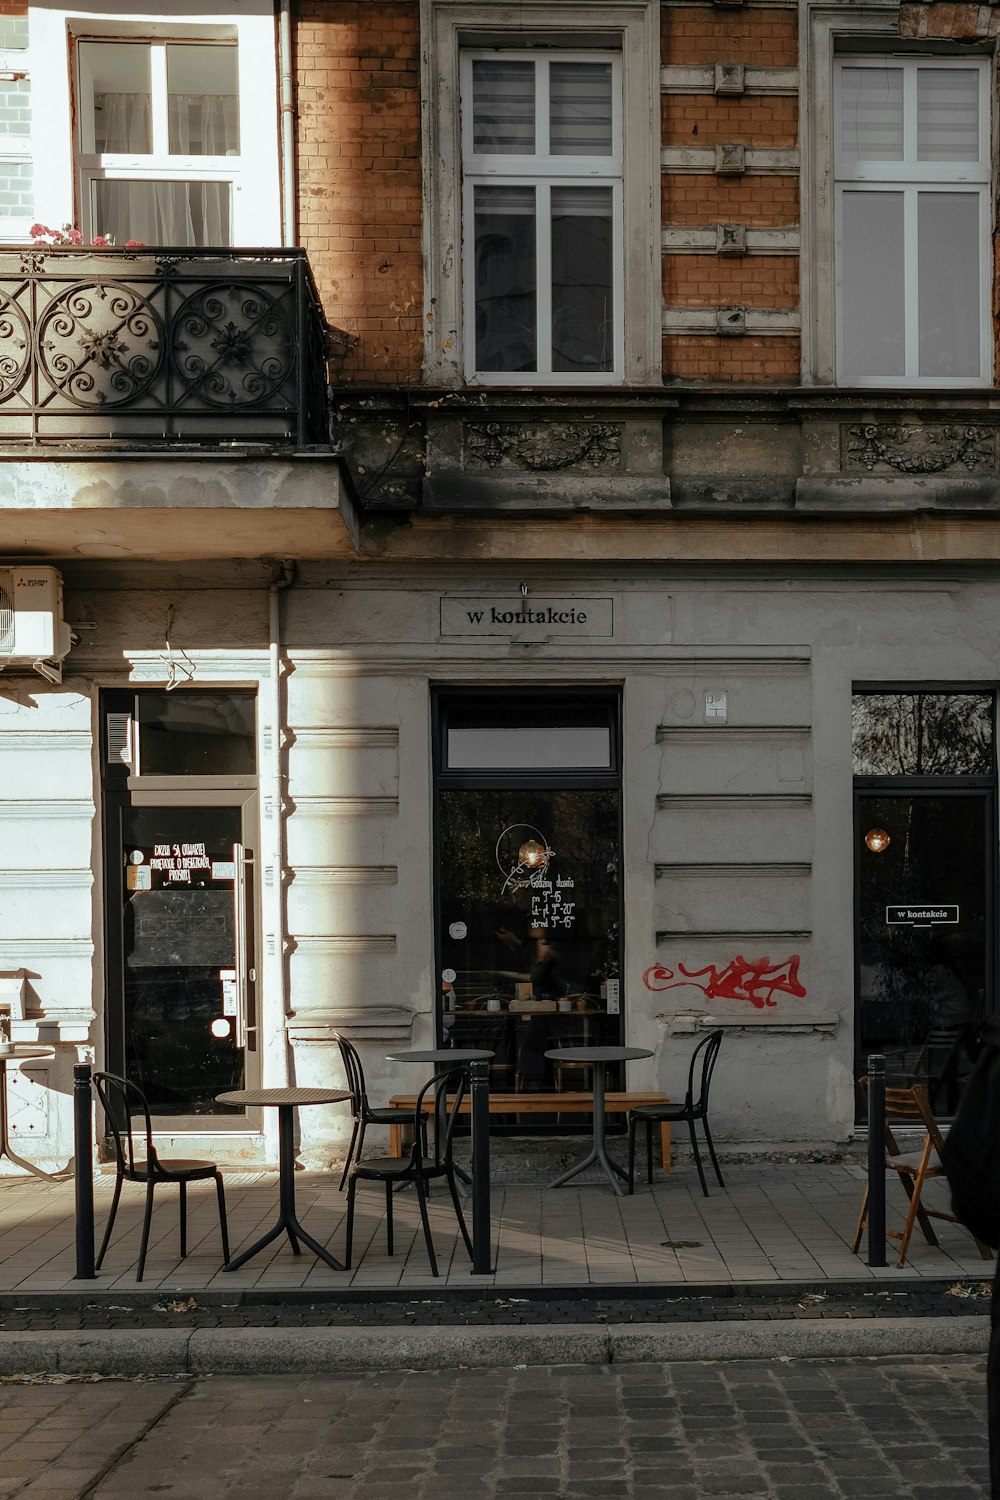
{"x": 285, "y": 1101}
{"x": 442, "y": 1057}
{"x": 20, "y": 1052}
{"x": 598, "y": 1059}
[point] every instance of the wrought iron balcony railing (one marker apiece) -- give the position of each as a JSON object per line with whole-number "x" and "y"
{"x": 160, "y": 345}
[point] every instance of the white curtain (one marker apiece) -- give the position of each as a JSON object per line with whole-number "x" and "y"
{"x": 121, "y": 123}
{"x": 198, "y": 124}
{"x": 204, "y": 124}
{"x": 164, "y": 213}
{"x": 157, "y": 212}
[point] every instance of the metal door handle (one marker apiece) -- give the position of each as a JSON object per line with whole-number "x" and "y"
{"x": 240, "y": 941}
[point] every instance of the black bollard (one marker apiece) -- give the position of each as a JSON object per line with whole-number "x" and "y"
{"x": 83, "y": 1158}
{"x": 482, "y": 1249}
{"x": 876, "y": 1159}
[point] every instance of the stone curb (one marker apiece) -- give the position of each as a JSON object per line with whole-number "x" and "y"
{"x": 274, "y": 1351}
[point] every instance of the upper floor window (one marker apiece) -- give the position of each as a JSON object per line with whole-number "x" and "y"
{"x": 542, "y": 217}
{"x": 542, "y": 161}
{"x": 912, "y": 167}
{"x": 16, "y": 166}
{"x": 159, "y": 140}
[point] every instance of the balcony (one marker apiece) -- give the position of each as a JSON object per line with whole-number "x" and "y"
{"x": 137, "y": 349}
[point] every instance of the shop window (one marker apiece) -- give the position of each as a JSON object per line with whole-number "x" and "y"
{"x": 528, "y": 882}
{"x": 925, "y": 852}
{"x": 912, "y": 166}
{"x": 922, "y": 734}
{"x": 159, "y": 140}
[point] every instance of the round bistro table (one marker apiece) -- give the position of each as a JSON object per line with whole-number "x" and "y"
{"x": 20, "y": 1052}
{"x": 598, "y": 1059}
{"x": 286, "y": 1102}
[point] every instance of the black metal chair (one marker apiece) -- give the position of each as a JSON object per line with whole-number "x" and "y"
{"x": 704, "y": 1057}
{"x": 417, "y": 1167}
{"x": 364, "y": 1113}
{"x": 120, "y": 1098}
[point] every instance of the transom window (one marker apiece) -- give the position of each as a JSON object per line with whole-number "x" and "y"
{"x": 913, "y": 221}
{"x": 159, "y": 140}
{"x": 923, "y": 733}
{"x": 542, "y": 206}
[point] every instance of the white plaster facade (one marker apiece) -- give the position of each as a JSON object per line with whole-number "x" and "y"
{"x": 737, "y": 837}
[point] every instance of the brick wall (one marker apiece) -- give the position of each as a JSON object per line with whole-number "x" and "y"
{"x": 358, "y": 99}
{"x": 762, "y": 38}
{"x": 749, "y": 119}
{"x": 760, "y": 201}
{"x": 731, "y": 281}
{"x": 357, "y": 65}
{"x": 715, "y": 360}
{"x": 701, "y": 36}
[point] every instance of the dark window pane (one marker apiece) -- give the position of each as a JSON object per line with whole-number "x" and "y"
{"x": 922, "y": 982}
{"x": 582, "y": 296}
{"x": 922, "y": 734}
{"x": 179, "y": 946}
{"x": 197, "y": 734}
{"x": 506, "y": 279}
{"x": 530, "y": 940}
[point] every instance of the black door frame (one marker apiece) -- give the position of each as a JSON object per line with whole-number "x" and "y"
{"x": 121, "y": 790}
{"x": 942, "y": 787}
{"x": 445, "y": 694}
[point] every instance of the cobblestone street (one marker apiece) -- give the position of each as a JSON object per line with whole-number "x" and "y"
{"x": 797, "y": 1430}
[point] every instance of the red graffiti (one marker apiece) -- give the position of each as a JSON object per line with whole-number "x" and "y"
{"x": 757, "y": 981}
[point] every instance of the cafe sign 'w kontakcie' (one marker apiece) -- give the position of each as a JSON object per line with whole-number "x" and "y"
{"x": 527, "y": 618}
{"x": 928, "y": 915}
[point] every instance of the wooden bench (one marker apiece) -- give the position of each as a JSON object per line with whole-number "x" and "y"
{"x": 568, "y": 1103}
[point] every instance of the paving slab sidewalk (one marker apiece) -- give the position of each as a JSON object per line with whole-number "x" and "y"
{"x": 777, "y": 1230}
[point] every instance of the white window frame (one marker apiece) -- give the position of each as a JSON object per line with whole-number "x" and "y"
{"x": 56, "y": 26}
{"x": 909, "y": 177}
{"x": 15, "y": 149}
{"x": 542, "y": 172}
{"x": 830, "y": 29}
{"x": 625, "y": 29}
{"x": 158, "y": 165}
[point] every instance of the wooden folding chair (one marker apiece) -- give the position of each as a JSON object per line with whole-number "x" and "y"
{"x": 914, "y": 1169}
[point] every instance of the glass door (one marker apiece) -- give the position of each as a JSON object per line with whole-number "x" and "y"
{"x": 184, "y": 1016}
{"x": 180, "y": 823}
{"x": 528, "y": 891}
{"x": 925, "y": 851}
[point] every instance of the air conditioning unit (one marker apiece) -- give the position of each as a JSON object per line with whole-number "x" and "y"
{"x": 33, "y": 632}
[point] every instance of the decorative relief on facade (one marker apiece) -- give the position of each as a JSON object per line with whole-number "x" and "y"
{"x": 543, "y": 447}
{"x": 920, "y": 450}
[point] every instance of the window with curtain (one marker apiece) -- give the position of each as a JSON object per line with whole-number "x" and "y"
{"x": 542, "y": 208}
{"x": 912, "y": 160}
{"x": 159, "y": 140}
